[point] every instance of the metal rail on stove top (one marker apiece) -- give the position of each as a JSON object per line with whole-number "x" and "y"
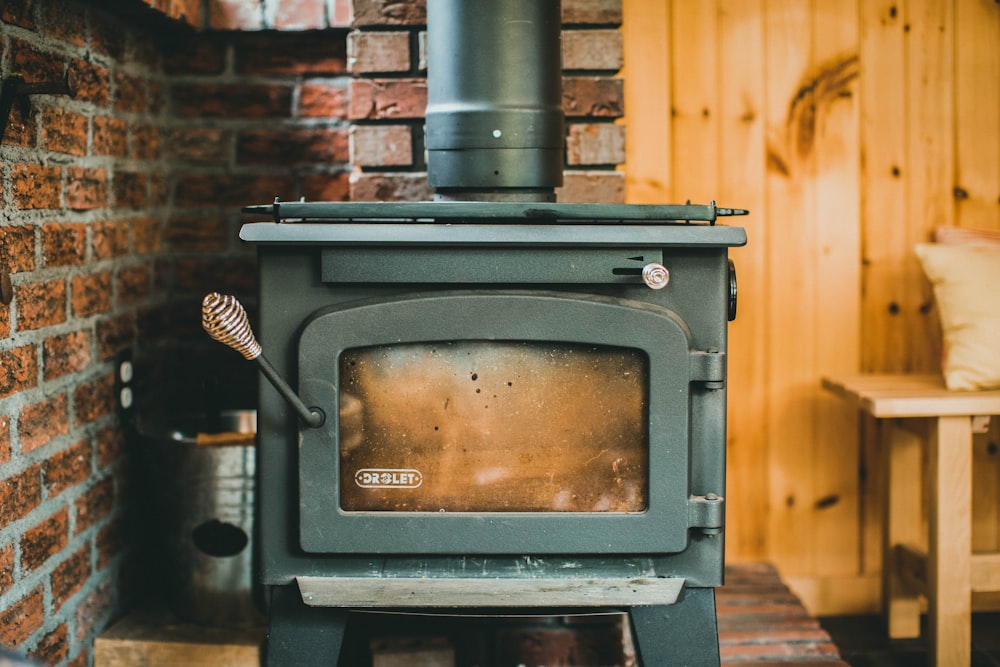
{"x": 473, "y": 212}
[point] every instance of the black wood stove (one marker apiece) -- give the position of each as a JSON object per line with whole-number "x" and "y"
{"x": 492, "y": 402}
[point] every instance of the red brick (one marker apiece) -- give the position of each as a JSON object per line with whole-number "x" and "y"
{"x": 6, "y": 568}
{"x": 21, "y": 127}
{"x": 133, "y": 284}
{"x": 592, "y": 187}
{"x": 111, "y": 541}
{"x": 20, "y": 494}
{"x": 131, "y": 189}
{"x": 381, "y": 146}
{"x": 4, "y": 320}
{"x": 91, "y": 294}
{"x": 370, "y": 52}
{"x": 115, "y": 335}
{"x": 159, "y": 188}
{"x": 20, "y": 370}
{"x": 21, "y": 619}
{"x": 130, "y": 93}
{"x": 300, "y": 15}
{"x": 64, "y": 244}
{"x": 67, "y": 468}
{"x": 39, "y": 423}
{"x": 595, "y": 143}
{"x": 200, "y": 190}
{"x": 319, "y": 100}
{"x": 95, "y": 504}
{"x": 110, "y": 239}
{"x": 145, "y": 142}
{"x": 292, "y": 146}
{"x": 45, "y": 540}
{"x": 95, "y": 399}
{"x": 380, "y": 99}
{"x": 199, "y": 145}
{"x": 390, "y": 187}
{"x": 592, "y": 49}
{"x": 69, "y": 576}
{"x": 198, "y": 232}
{"x": 326, "y": 187}
{"x": 86, "y": 188}
{"x": 594, "y": 645}
{"x": 596, "y": 96}
{"x": 53, "y": 648}
{"x": 35, "y": 186}
{"x": 110, "y": 445}
{"x": 19, "y": 13}
{"x": 232, "y": 101}
{"x": 64, "y": 22}
{"x": 4, "y": 440}
{"x": 91, "y": 81}
{"x": 236, "y": 15}
{"x": 64, "y": 131}
{"x": 107, "y": 36}
{"x": 40, "y": 304}
{"x": 67, "y": 353}
{"x": 17, "y": 248}
{"x": 147, "y": 235}
{"x": 313, "y": 53}
{"x": 592, "y": 11}
{"x": 110, "y": 135}
{"x": 201, "y": 54}
{"x": 389, "y": 12}
{"x": 33, "y": 64}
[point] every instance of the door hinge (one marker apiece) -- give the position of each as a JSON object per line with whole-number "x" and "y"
{"x": 708, "y": 367}
{"x": 707, "y": 512}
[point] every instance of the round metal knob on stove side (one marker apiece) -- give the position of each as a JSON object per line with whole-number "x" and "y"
{"x": 655, "y": 275}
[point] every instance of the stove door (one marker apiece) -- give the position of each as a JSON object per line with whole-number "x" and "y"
{"x": 472, "y": 422}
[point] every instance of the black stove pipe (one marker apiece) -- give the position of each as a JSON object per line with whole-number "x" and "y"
{"x": 494, "y": 99}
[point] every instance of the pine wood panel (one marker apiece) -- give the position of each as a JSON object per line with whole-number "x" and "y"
{"x": 850, "y": 128}
{"x": 741, "y": 179}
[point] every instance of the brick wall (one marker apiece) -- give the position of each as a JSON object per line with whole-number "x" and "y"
{"x": 120, "y": 209}
{"x": 388, "y": 93}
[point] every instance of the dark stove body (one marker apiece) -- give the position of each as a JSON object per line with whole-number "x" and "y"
{"x": 339, "y": 277}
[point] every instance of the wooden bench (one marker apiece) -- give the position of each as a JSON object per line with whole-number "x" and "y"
{"x": 915, "y": 409}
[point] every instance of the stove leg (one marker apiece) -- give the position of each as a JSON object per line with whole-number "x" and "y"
{"x": 303, "y": 636}
{"x": 681, "y": 634}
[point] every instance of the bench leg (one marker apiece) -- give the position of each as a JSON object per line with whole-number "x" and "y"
{"x": 949, "y": 594}
{"x": 901, "y": 464}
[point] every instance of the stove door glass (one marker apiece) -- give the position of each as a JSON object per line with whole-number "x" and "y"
{"x": 494, "y": 426}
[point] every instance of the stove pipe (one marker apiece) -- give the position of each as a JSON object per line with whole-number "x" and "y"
{"x": 494, "y": 99}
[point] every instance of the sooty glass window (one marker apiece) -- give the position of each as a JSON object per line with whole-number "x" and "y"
{"x": 486, "y": 426}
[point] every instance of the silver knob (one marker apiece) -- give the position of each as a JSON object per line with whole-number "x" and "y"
{"x": 655, "y": 275}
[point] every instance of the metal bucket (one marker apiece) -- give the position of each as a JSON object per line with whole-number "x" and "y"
{"x": 198, "y": 477}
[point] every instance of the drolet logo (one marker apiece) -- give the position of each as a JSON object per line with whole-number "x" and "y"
{"x": 388, "y": 478}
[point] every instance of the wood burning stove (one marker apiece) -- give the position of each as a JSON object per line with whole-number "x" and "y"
{"x": 493, "y": 401}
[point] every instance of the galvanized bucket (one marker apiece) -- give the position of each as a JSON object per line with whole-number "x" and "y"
{"x": 198, "y": 479}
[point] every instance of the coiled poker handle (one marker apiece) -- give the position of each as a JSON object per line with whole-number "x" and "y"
{"x": 225, "y": 320}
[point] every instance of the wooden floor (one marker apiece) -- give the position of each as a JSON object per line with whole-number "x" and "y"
{"x": 761, "y": 621}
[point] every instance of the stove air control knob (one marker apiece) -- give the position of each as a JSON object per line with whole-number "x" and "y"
{"x": 655, "y": 275}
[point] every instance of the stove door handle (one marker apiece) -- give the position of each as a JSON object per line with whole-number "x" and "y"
{"x": 225, "y": 320}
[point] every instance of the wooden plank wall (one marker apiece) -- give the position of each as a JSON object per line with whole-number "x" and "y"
{"x": 850, "y": 128}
